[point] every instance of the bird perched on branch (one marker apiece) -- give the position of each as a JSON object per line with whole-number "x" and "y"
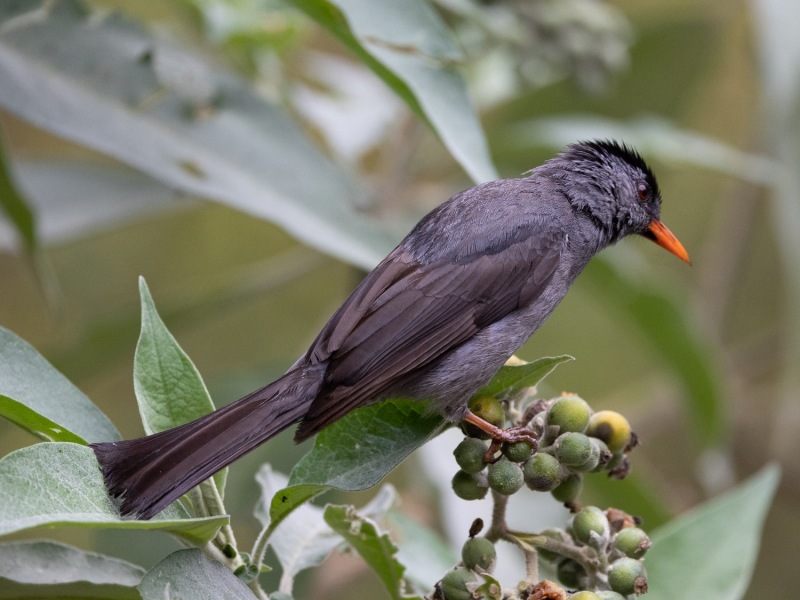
{"x": 473, "y": 280}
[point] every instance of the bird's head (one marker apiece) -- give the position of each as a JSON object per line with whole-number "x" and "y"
{"x": 617, "y": 189}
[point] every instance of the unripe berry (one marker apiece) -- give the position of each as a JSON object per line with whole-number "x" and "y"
{"x": 632, "y": 542}
{"x": 517, "y": 452}
{"x": 569, "y": 413}
{"x": 609, "y": 595}
{"x": 469, "y": 455}
{"x": 470, "y": 486}
{"x": 593, "y": 462}
{"x": 588, "y": 520}
{"x": 454, "y": 584}
{"x": 627, "y": 576}
{"x": 542, "y": 472}
{"x": 479, "y": 553}
{"x": 573, "y": 449}
{"x": 584, "y": 595}
{"x": 488, "y": 408}
{"x": 505, "y": 477}
{"x": 612, "y": 428}
{"x": 569, "y": 489}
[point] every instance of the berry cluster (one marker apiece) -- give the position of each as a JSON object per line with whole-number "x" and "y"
{"x": 600, "y": 552}
{"x": 572, "y": 441}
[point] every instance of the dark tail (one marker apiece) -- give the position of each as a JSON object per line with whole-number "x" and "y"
{"x": 149, "y": 473}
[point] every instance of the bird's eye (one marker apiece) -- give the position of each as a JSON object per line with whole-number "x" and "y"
{"x": 644, "y": 192}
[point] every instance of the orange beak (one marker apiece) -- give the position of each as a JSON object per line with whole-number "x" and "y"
{"x": 662, "y": 236}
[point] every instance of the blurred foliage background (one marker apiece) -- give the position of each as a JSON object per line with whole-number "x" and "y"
{"x": 702, "y": 360}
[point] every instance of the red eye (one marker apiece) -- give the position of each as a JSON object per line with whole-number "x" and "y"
{"x": 644, "y": 192}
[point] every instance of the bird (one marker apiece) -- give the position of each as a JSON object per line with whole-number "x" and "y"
{"x": 433, "y": 321}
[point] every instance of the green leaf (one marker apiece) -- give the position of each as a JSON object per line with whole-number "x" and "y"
{"x": 373, "y": 545}
{"x": 169, "y": 388}
{"x": 357, "y": 451}
{"x": 189, "y": 574}
{"x": 710, "y": 552}
{"x": 13, "y": 204}
{"x": 512, "y": 379}
{"x": 107, "y": 84}
{"x": 44, "y": 569}
{"x": 409, "y": 46}
{"x": 60, "y": 484}
{"x": 35, "y": 396}
{"x": 288, "y": 500}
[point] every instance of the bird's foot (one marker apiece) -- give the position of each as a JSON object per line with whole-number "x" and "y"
{"x": 501, "y": 436}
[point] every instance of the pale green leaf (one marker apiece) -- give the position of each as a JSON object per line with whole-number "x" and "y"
{"x": 711, "y": 552}
{"x": 60, "y": 484}
{"x": 38, "y": 398}
{"x": 109, "y": 85}
{"x": 189, "y": 574}
{"x": 45, "y": 569}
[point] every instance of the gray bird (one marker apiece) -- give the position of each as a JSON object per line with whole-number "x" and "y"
{"x": 473, "y": 280}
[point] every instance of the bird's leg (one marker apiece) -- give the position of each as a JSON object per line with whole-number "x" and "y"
{"x": 502, "y": 436}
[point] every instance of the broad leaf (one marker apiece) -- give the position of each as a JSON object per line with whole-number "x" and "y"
{"x": 302, "y": 540}
{"x": 44, "y": 569}
{"x": 38, "y": 398}
{"x": 410, "y": 48}
{"x": 189, "y": 574}
{"x": 357, "y": 451}
{"x": 169, "y": 388}
{"x": 59, "y": 484}
{"x": 512, "y": 379}
{"x": 372, "y": 544}
{"x": 112, "y": 87}
{"x": 711, "y": 552}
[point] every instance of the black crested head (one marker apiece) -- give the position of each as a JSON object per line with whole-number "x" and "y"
{"x": 611, "y": 184}
{"x": 600, "y": 151}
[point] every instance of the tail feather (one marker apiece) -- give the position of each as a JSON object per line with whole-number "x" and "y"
{"x": 151, "y": 472}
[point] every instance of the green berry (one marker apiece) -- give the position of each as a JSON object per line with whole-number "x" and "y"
{"x": 479, "y": 553}
{"x": 569, "y": 489}
{"x": 569, "y": 413}
{"x": 584, "y": 595}
{"x": 632, "y": 542}
{"x": 469, "y": 455}
{"x": 593, "y": 462}
{"x": 517, "y": 452}
{"x": 470, "y": 486}
{"x": 612, "y": 428}
{"x": 627, "y": 576}
{"x": 505, "y": 477}
{"x": 570, "y": 573}
{"x": 488, "y": 408}
{"x": 454, "y": 584}
{"x": 609, "y": 595}
{"x": 542, "y": 472}
{"x": 573, "y": 449}
{"x": 590, "y": 519}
